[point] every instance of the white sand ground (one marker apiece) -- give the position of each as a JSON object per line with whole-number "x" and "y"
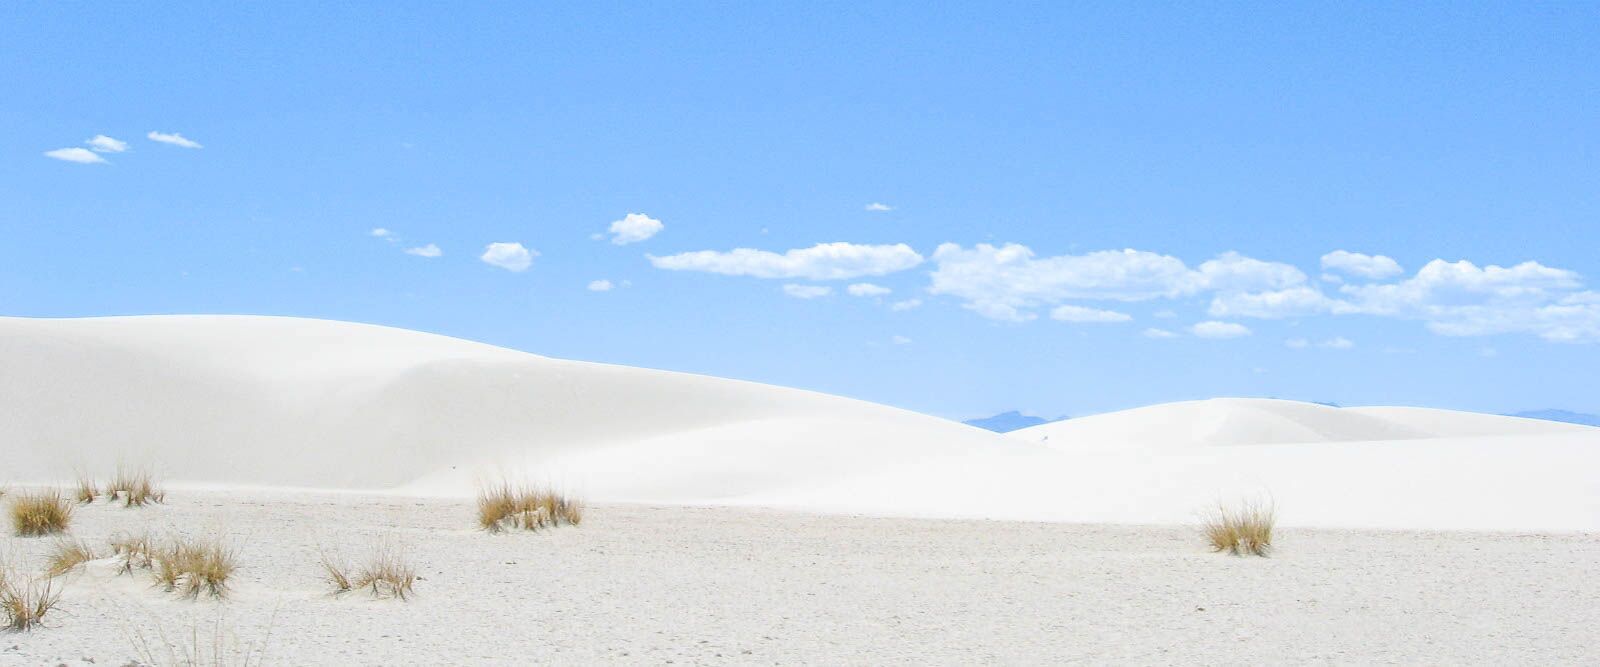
{"x": 230, "y": 401}
{"x": 683, "y": 585}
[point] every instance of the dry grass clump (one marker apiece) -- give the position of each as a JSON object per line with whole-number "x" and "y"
{"x": 134, "y": 488}
{"x": 26, "y": 600}
{"x": 219, "y": 646}
{"x": 387, "y": 573}
{"x": 193, "y": 566}
{"x": 137, "y": 551}
{"x": 1246, "y": 530}
{"x": 504, "y": 506}
{"x": 68, "y": 554}
{"x": 40, "y": 513}
{"x": 87, "y": 489}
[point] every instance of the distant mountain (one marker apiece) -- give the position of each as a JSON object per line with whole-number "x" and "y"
{"x": 1567, "y": 416}
{"x": 1008, "y": 421}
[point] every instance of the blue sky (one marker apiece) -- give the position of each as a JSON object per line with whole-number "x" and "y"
{"x": 1139, "y": 201}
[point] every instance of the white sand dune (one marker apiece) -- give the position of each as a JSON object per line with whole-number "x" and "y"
{"x": 230, "y": 401}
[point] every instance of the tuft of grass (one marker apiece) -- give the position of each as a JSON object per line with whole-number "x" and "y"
{"x": 387, "y": 574}
{"x": 219, "y": 646}
{"x": 1242, "y": 531}
{"x": 26, "y": 600}
{"x": 503, "y": 506}
{"x": 135, "y": 488}
{"x": 66, "y": 555}
{"x": 191, "y": 567}
{"x": 40, "y": 513}
{"x": 87, "y": 490}
{"x": 336, "y": 571}
{"x": 136, "y": 551}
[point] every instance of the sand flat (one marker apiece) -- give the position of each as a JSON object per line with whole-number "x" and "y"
{"x": 649, "y": 585}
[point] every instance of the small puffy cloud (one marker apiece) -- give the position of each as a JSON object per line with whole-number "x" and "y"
{"x": 601, "y": 285}
{"x": 900, "y": 340}
{"x": 1007, "y": 281}
{"x": 633, "y": 228}
{"x": 1071, "y": 313}
{"x": 1153, "y": 332}
{"x": 878, "y": 208}
{"x": 807, "y": 291}
{"x": 175, "y": 139}
{"x": 78, "y": 155}
{"x": 1375, "y": 267}
{"x": 824, "y": 261}
{"x": 1216, "y": 329}
{"x": 1463, "y": 299}
{"x": 101, "y": 143}
{"x": 867, "y": 289}
{"x": 429, "y": 250}
{"x": 509, "y": 256}
{"x": 381, "y": 233}
{"x": 908, "y": 304}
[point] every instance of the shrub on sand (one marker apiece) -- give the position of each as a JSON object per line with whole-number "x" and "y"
{"x": 68, "y": 554}
{"x": 136, "y": 551}
{"x": 387, "y": 573}
{"x": 191, "y": 567}
{"x": 40, "y": 513}
{"x": 26, "y": 600}
{"x": 87, "y": 490}
{"x": 1246, "y": 530}
{"x": 336, "y": 571}
{"x": 503, "y": 506}
{"x": 134, "y": 488}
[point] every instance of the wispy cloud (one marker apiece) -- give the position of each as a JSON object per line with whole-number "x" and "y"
{"x": 905, "y": 305}
{"x": 78, "y": 155}
{"x": 101, "y": 143}
{"x": 601, "y": 285}
{"x": 807, "y": 291}
{"x": 1071, "y": 313}
{"x": 429, "y": 250}
{"x": 174, "y": 138}
{"x": 510, "y": 256}
{"x": 633, "y": 228}
{"x": 381, "y": 233}
{"x": 879, "y": 207}
{"x": 867, "y": 289}
{"x": 1335, "y": 343}
{"x": 824, "y": 261}
{"x": 1216, "y": 329}
{"x": 1153, "y": 332}
{"x": 900, "y": 340}
{"x": 1376, "y": 267}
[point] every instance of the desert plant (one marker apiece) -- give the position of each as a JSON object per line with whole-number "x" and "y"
{"x": 387, "y": 574}
{"x": 217, "y": 647}
{"x": 26, "y": 600}
{"x": 136, "y": 551}
{"x": 40, "y": 513}
{"x": 193, "y": 566}
{"x": 87, "y": 489}
{"x": 68, "y": 554}
{"x": 336, "y": 571}
{"x": 503, "y": 506}
{"x": 135, "y": 488}
{"x": 1246, "y": 530}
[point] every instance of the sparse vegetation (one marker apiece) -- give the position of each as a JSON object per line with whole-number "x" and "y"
{"x": 26, "y": 600}
{"x": 217, "y": 647}
{"x": 136, "y": 551}
{"x": 40, "y": 513}
{"x": 1243, "y": 531}
{"x": 503, "y": 506}
{"x": 134, "y": 488}
{"x": 387, "y": 573}
{"x": 192, "y": 567}
{"x": 87, "y": 489}
{"x": 68, "y": 554}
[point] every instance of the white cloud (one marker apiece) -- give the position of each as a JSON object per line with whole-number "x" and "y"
{"x": 101, "y": 143}
{"x": 174, "y": 139}
{"x": 1291, "y": 302}
{"x": 824, "y": 261}
{"x": 1462, "y": 299}
{"x": 807, "y": 291}
{"x": 1215, "y": 329}
{"x": 1071, "y": 313}
{"x": 429, "y": 250}
{"x": 1153, "y": 332}
{"x": 633, "y": 228}
{"x": 877, "y": 207}
{"x": 601, "y": 285}
{"x": 1232, "y": 271}
{"x": 908, "y": 304}
{"x": 1335, "y": 343}
{"x": 867, "y": 289}
{"x": 78, "y": 155}
{"x": 1005, "y": 282}
{"x": 509, "y": 256}
{"x": 1375, "y": 267}
{"x": 900, "y": 340}
{"x": 381, "y": 233}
